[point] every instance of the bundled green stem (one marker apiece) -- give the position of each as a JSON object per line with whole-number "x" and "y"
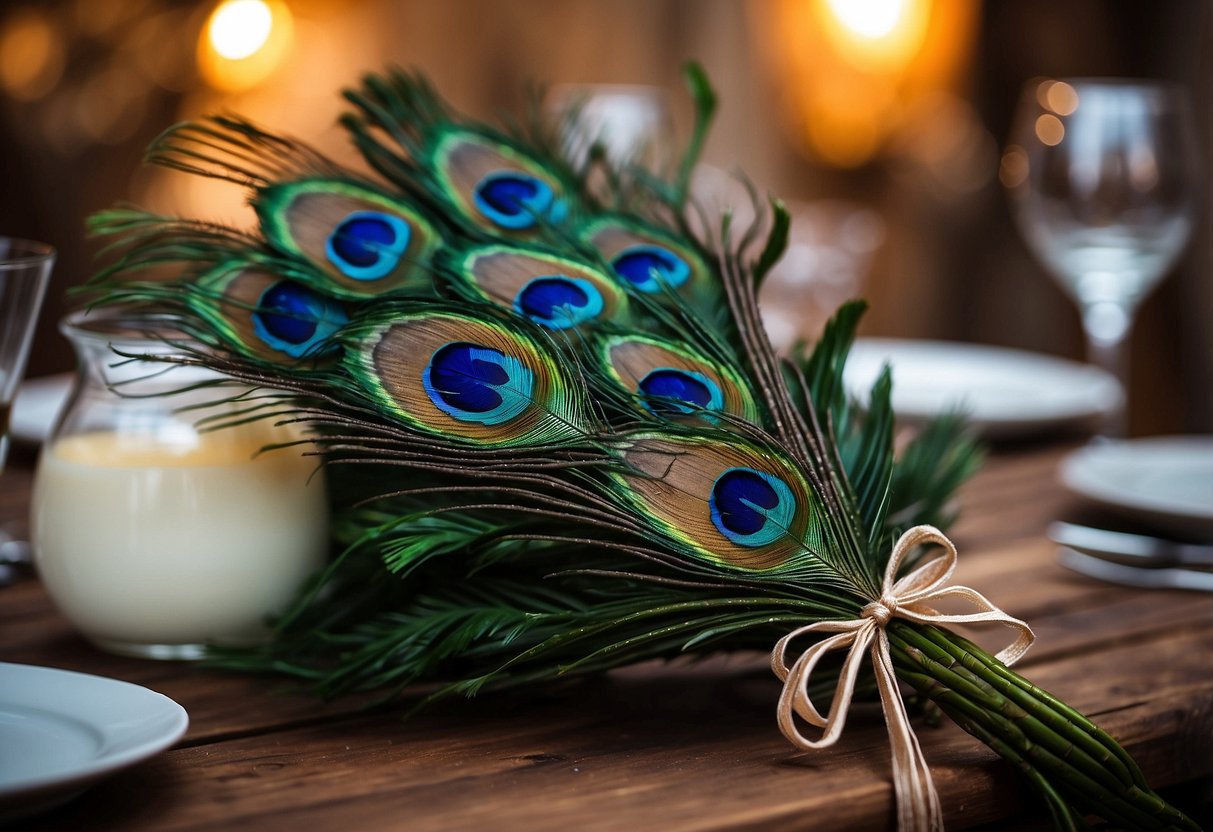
{"x": 1075, "y": 766}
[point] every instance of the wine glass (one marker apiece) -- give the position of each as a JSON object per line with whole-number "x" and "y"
{"x": 1102, "y": 175}
{"x": 831, "y": 244}
{"x": 25, "y": 267}
{"x": 629, "y": 121}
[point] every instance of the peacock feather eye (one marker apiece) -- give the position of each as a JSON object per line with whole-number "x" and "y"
{"x": 650, "y": 267}
{"x": 361, "y": 242}
{"x": 555, "y": 292}
{"x": 672, "y": 380}
{"x": 497, "y": 185}
{"x": 480, "y": 379}
{"x": 655, "y": 261}
{"x": 258, "y": 313}
{"x": 727, "y": 501}
{"x": 368, "y": 245}
{"x": 293, "y": 319}
{"x": 667, "y": 390}
{"x": 752, "y": 508}
{"x": 473, "y": 383}
{"x": 559, "y": 302}
{"x": 517, "y": 201}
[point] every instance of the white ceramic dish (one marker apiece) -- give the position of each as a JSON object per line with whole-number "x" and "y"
{"x": 37, "y": 406}
{"x": 1166, "y": 481}
{"x": 62, "y": 731}
{"x": 1004, "y": 392}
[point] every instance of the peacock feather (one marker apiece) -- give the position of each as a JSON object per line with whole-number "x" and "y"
{"x": 364, "y": 241}
{"x": 669, "y": 379}
{"x": 557, "y": 292}
{"x": 483, "y": 380}
{"x": 477, "y": 177}
{"x": 558, "y": 439}
{"x": 652, "y": 261}
{"x": 258, "y": 312}
{"x": 761, "y": 515}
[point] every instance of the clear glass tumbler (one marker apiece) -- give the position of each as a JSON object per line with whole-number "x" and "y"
{"x": 25, "y": 269}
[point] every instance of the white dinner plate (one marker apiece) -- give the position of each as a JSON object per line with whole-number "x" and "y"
{"x": 1163, "y": 480}
{"x": 1004, "y": 392}
{"x": 61, "y": 731}
{"x": 37, "y": 405}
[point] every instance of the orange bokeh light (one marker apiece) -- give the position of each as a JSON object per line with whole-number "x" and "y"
{"x": 853, "y": 70}
{"x": 244, "y": 42}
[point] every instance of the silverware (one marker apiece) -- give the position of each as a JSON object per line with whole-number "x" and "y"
{"x": 16, "y": 556}
{"x": 1148, "y": 577}
{"x": 1131, "y": 549}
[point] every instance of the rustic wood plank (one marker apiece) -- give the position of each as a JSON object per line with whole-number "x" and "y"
{"x": 1067, "y": 611}
{"x": 220, "y": 704}
{"x": 697, "y": 749}
{"x": 1013, "y": 497}
{"x": 675, "y": 747}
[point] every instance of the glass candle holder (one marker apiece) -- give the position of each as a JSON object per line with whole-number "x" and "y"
{"x": 156, "y": 530}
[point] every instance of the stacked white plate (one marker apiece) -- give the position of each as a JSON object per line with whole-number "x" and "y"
{"x": 1004, "y": 392}
{"x": 1164, "y": 481}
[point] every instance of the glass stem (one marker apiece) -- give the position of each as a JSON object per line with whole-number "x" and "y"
{"x": 1107, "y": 325}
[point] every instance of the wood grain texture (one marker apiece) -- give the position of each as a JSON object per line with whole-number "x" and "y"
{"x": 660, "y": 746}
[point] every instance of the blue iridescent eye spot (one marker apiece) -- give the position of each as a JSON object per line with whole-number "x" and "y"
{"x": 473, "y": 383}
{"x": 649, "y": 267}
{"x": 517, "y": 201}
{"x": 559, "y": 302}
{"x": 368, "y": 245}
{"x": 672, "y": 391}
{"x": 751, "y": 508}
{"x": 295, "y": 320}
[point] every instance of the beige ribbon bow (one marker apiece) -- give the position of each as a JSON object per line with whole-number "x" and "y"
{"x": 917, "y": 801}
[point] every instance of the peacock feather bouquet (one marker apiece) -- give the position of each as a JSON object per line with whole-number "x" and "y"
{"x": 559, "y": 441}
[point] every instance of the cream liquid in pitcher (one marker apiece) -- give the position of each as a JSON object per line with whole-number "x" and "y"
{"x": 176, "y": 544}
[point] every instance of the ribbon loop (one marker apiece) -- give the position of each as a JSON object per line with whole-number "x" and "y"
{"x": 880, "y": 611}
{"x": 908, "y": 598}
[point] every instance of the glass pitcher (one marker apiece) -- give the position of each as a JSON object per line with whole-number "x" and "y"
{"x": 154, "y": 531}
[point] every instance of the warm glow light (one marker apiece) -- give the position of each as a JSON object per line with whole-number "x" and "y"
{"x": 109, "y": 106}
{"x": 238, "y": 28}
{"x": 880, "y": 36}
{"x": 855, "y": 73}
{"x": 31, "y": 56}
{"x": 244, "y": 42}
{"x": 869, "y": 18}
{"x": 1058, "y": 97}
{"x": 1062, "y": 98}
{"x": 155, "y": 45}
{"x": 1042, "y": 93}
{"x": 1049, "y": 129}
{"x": 1014, "y": 168}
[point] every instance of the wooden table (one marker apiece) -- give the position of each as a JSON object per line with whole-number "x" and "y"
{"x": 655, "y": 747}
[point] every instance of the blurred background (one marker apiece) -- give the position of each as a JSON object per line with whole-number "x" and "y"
{"x": 882, "y": 122}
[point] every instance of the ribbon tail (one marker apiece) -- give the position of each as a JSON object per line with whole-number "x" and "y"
{"x": 918, "y": 806}
{"x": 795, "y": 697}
